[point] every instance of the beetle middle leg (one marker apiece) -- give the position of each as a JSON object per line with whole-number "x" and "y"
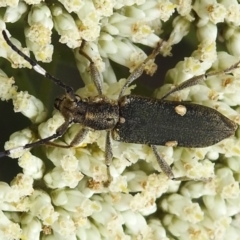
{"x": 138, "y": 71}
{"x": 78, "y": 138}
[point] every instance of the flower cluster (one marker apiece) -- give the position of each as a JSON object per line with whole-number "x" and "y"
{"x": 63, "y": 195}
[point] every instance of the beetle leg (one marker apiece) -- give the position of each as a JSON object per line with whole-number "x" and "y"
{"x": 95, "y": 75}
{"x": 60, "y": 131}
{"x": 140, "y": 68}
{"x": 79, "y": 137}
{"x": 197, "y": 79}
{"x": 108, "y": 154}
{"x": 182, "y": 179}
{"x": 162, "y": 163}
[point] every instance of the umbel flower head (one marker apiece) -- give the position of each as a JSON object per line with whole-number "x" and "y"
{"x": 60, "y": 193}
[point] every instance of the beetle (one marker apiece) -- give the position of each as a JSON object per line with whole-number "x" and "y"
{"x": 135, "y": 119}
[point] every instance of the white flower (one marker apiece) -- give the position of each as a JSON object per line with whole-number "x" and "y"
{"x": 14, "y": 13}
{"x": 63, "y": 193}
{"x": 29, "y": 106}
{"x": 8, "y": 89}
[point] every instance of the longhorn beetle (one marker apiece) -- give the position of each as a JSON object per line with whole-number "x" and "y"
{"x": 136, "y": 119}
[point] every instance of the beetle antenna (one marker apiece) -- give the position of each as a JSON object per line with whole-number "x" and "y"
{"x": 37, "y": 67}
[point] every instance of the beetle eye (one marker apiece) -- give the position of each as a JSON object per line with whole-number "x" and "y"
{"x": 58, "y": 102}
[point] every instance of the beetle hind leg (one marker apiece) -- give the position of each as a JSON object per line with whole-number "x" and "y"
{"x": 167, "y": 170}
{"x": 162, "y": 163}
{"x": 200, "y": 78}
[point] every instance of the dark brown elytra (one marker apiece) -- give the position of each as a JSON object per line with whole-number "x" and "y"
{"x": 136, "y": 119}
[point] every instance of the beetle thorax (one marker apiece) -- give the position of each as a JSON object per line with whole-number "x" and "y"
{"x": 98, "y": 113}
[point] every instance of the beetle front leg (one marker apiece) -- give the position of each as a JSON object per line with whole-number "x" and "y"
{"x": 95, "y": 75}
{"x": 162, "y": 163}
{"x": 60, "y": 131}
